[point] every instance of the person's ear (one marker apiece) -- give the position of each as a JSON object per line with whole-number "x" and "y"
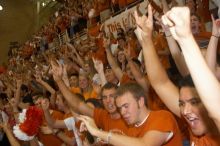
{"x": 141, "y": 102}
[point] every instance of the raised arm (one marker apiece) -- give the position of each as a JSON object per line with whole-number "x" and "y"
{"x": 158, "y": 78}
{"x": 51, "y": 122}
{"x": 138, "y": 75}
{"x": 174, "y": 48}
{"x": 78, "y": 59}
{"x": 73, "y": 101}
{"x": 48, "y": 88}
{"x": 44, "y": 84}
{"x": 111, "y": 60}
{"x": 206, "y": 83}
{"x": 57, "y": 124}
{"x": 18, "y": 91}
{"x": 211, "y": 53}
{"x": 99, "y": 68}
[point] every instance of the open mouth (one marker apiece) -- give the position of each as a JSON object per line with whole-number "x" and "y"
{"x": 110, "y": 106}
{"x": 192, "y": 121}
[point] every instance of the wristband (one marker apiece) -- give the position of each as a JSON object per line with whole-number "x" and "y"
{"x": 215, "y": 36}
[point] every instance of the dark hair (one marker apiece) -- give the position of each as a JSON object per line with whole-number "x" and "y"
{"x": 136, "y": 61}
{"x": 74, "y": 74}
{"x": 186, "y": 82}
{"x": 107, "y": 86}
{"x": 95, "y": 102}
{"x": 28, "y": 99}
{"x": 136, "y": 90}
{"x": 3, "y": 96}
{"x": 39, "y": 95}
{"x": 194, "y": 14}
{"x": 24, "y": 88}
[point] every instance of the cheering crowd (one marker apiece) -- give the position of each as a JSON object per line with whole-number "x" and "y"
{"x": 155, "y": 84}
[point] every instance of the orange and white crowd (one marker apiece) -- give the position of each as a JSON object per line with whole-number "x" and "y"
{"x": 155, "y": 83}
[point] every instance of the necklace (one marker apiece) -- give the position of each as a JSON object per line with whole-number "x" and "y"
{"x": 138, "y": 125}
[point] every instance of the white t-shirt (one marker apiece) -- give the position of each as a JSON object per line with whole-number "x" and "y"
{"x": 70, "y": 123}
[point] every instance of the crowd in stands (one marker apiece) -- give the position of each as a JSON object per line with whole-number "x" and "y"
{"x": 152, "y": 84}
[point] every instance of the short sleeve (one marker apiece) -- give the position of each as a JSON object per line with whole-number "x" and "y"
{"x": 163, "y": 121}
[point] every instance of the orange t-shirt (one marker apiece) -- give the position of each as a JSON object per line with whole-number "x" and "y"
{"x": 129, "y": 1}
{"x": 106, "y": 123}
{"x": 100, "y": 53}
{"x": 154, "y": 102}
{"x": 203, "y": 11}
{"x": 122, "y": 3}
{"x": 203, "y": 38}
{"x": 162, "y": 121}
{"x": 90, "y": 94}
{"x": 75, "y": 90}
{"x": 125, "y": 79}
{"x": 206, "y": 140}
{"x": 50, "y": 139}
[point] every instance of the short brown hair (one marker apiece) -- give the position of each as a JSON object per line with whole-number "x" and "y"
{"x": 136, "y": 90}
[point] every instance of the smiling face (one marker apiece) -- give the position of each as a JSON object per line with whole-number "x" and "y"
{"x": 191, "y": 109}
{"x": 83, "y": 82}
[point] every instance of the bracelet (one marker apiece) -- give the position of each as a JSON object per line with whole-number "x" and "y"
{"x": 109, "y": 137}
{"x": 215, "y": 36}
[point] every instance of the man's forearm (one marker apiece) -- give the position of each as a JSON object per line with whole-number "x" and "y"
{"x": 72, "y": 100}
{"x": 120, "y": 140}
{"x": 49, "y": 119}
{"x": 66, "y": 139}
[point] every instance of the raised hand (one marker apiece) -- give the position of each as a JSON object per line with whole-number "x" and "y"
{"x": 57, "y": 70}
{"x": 178, "y": 20}
{"x": 215, "y": 27}
{"x": 98, "y": 65}
{"x": 145, "y": 23}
